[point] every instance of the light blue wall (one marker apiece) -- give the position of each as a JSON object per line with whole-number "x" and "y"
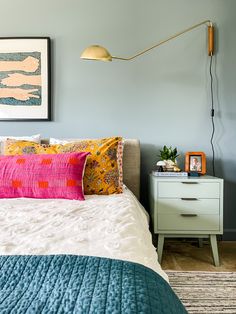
{"x": 161, "y": 98}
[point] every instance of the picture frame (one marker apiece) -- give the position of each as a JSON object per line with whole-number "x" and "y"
{"x": 195, "y": 162}
{"x": 25, "y": 79}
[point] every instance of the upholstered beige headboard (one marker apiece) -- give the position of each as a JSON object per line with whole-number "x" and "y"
{"x": 131, "y": 164}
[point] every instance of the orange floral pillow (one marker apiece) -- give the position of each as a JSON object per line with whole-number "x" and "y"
{"x": 14, "y": 147}
{"x": 103, "y": 172}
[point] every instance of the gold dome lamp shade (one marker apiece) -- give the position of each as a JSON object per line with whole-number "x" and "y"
{"x": 96, "y": 52}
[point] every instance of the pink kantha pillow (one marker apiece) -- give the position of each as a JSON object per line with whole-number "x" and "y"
{"x": 43, "y": 176}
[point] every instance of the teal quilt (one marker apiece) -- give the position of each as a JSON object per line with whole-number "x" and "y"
{"x": 82, "y": 284}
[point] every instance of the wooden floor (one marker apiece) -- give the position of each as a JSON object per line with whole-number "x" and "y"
{"x": 185, "y": 255}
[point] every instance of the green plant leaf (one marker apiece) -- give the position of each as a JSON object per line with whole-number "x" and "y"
{"x": 168, "y": 153}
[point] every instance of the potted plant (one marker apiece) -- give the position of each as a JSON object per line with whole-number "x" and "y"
{"x": 168, "y": 155}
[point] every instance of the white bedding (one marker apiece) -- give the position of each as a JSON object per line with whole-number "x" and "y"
{"x": 114, "y": 226}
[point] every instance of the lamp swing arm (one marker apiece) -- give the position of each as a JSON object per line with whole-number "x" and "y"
{"x": 210, "y": 52}
{"x": 97, "y": 52}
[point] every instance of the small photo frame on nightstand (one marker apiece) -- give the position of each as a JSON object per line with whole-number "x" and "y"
{"x": 195, "y": 162}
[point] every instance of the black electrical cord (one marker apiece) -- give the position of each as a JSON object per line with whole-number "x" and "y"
{"x": 212, "y": 118}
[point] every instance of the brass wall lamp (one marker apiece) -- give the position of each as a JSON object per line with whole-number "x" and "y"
{"x": 96, "y": 52}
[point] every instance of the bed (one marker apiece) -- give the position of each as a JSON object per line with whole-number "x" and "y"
{"x": 95, "y": 256}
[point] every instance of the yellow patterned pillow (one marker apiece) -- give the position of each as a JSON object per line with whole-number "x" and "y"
{"x": 14, "y": 147}
{"x": 103, "y": 172}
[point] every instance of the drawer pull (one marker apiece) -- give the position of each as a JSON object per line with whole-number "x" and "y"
{"x": 188, "y": 199}
{"x": 188, "y": 215}
{"x": 189, "y": 182}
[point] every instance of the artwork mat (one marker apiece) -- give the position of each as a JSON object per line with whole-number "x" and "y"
{"x": 27, "y": 45}
{"x": 190, "y": 155}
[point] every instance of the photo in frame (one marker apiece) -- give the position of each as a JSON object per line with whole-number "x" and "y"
{"x": 25, "y": 79}
{"x": 195, "y": 162}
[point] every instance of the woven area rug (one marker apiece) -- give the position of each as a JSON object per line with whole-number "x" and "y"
{"x": 205, "y": 292}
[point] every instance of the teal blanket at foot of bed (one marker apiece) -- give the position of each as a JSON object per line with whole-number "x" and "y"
{"x": 82, "y": 284}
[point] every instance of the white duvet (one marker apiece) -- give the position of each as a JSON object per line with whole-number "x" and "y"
{"x": 114, "y": 226}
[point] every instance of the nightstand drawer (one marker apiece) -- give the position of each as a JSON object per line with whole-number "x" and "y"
{"x": 208, "y": 206}
{"x": 188, "y": 189}
{"x": 183, "y": 222}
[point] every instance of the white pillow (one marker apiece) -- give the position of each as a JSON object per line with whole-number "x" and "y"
{"x": 53, "y": 141}
{"x": 34, "y": 138}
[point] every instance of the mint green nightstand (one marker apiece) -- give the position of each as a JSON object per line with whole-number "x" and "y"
{"x": 187, "y": 207}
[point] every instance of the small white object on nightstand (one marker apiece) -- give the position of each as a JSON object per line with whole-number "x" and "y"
{"x": 187, "y": 207}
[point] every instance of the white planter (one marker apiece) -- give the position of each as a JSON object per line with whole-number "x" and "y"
{"x": 169, "y": 165}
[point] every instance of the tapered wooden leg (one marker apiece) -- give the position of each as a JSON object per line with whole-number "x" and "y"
{"x": 200, "y": 242}
{"x": 214, "y": 249}
{"x": 160, "y": 245}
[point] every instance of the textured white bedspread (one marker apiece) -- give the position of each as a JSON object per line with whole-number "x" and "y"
{"x": 114, "y": 226}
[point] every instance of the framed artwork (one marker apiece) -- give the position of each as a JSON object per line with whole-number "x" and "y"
{"x": 195, "y": 162}
{"x": 25, "y": 79}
